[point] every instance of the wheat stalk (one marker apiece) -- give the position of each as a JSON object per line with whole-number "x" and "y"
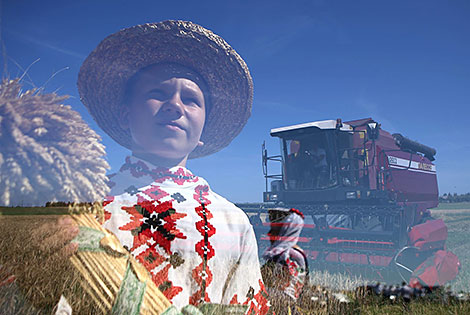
{"x": 102, "y": 271}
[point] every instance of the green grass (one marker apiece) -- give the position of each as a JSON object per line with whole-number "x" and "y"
{"x": 33, "y": 210}
{"x": 453, "y": 206}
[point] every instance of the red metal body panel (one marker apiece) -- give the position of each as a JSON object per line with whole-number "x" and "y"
{"x": 435, "y": 271}
{"x": 429, "y": 235}
{"x": 410, "y": 176}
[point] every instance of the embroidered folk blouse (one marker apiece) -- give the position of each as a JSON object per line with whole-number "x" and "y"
{"x": 198, "y": 246}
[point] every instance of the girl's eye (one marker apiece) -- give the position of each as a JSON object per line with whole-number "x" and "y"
{"x": 190, "y": 101}
{"x": 156, "y": 94}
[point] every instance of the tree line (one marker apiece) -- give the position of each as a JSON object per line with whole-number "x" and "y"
{"x": 449, "y": 197}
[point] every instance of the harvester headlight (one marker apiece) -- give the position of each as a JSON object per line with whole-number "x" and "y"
{"x": 350, "y": 195}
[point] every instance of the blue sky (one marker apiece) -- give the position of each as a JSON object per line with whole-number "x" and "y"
{"x": 404, "y": 63}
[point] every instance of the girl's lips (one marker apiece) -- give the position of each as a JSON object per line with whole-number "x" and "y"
{"x": 171, "y": 126}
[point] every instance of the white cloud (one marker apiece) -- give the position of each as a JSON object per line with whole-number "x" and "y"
{"x": 45, "y": 44}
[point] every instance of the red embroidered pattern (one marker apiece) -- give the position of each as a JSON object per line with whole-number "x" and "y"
{"x": 297, "y": 212}
{"x": 151, "y": 259}
{"x": 154, "y": 192}
{"x": 179, "y": 176}
{"x": 259, "y": 302}
{"x": 107, "y": 200}
{"x": 200, "y": 193}
{"x": 202, "y": 273}
{"x": 292, "y": 267}
{"x": 234, "y": 299}
{"x": 204, "y": 250}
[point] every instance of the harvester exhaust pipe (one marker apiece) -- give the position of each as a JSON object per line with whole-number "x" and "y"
{"x": 407, "y": 144}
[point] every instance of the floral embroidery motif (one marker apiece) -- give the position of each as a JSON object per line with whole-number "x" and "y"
{"x": 155, "y": 222}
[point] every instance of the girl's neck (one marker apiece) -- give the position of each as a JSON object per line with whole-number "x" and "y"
{"x": 161, "y": 161}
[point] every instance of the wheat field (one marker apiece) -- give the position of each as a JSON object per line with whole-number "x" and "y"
{"x": 17, "y": 228}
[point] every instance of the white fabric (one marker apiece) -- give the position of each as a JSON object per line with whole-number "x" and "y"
{"x": 288, "y": 235}
{"x": 63, "y": 308}
{"x": 234, "y": 266}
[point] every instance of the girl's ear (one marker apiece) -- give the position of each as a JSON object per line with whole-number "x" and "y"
{"x": 124, "y": 117}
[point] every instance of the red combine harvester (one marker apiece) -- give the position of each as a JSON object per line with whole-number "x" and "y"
{"x": 365, "y": 195}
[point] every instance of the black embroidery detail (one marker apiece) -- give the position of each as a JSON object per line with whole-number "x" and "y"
{"x": 150, "y": 257}
{"x": 164, "y": 286}
{"x": 176, "y": 260}
{"x": 251, "y": 293}
{"x": 139, "y": 209}
{"x": 155, "y": 221}
{"x": 136, "y": 231}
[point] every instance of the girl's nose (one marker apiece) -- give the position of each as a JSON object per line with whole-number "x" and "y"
{"x": 174, "y": 105}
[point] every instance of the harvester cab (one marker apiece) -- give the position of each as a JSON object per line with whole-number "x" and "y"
{"x": 365, "y": 194}
{"x": 319, "y": 160}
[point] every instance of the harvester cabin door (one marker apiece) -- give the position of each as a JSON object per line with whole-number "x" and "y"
{"x": 348, "y": 161}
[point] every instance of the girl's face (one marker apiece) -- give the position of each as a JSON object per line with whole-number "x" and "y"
{"x": 165, "y": 114}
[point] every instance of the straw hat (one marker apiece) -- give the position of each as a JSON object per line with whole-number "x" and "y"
{"x": 105, "y": 72}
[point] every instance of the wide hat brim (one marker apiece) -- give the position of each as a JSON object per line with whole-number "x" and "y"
{"x": 103, "y": 76}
